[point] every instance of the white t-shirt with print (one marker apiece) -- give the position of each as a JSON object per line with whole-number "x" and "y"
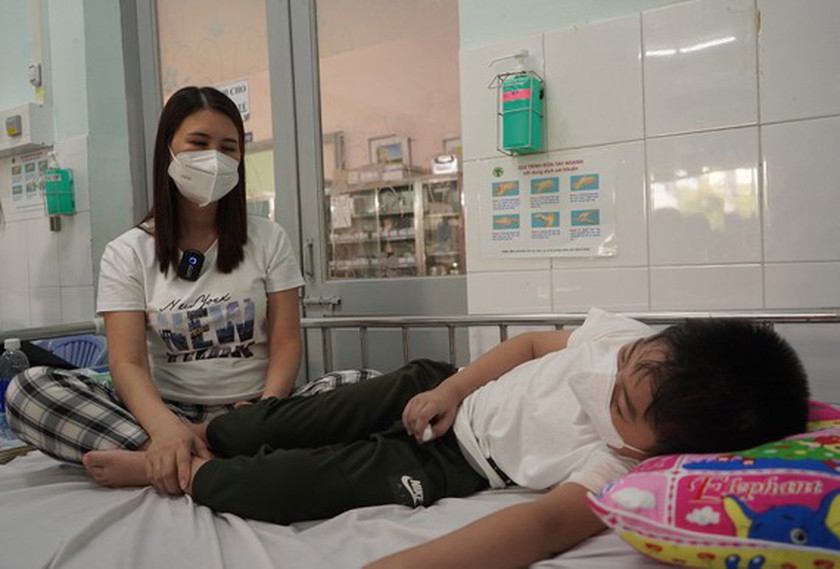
{"x": 207, "y": 339}
{"x": 532, "y": 425}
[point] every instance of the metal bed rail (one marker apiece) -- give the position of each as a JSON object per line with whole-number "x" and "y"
{"x": 95, "y": 326}
{"x": 502, "y": 322}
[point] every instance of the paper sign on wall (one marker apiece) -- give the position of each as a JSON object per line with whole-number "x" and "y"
{"x": 560, "y": 205}
{"x": 237, "y": 92}
{"x": 22, "y": 186}
{"x": 341, "y": 211}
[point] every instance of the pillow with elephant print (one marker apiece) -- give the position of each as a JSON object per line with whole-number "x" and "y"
{"x": 775, "y": 506}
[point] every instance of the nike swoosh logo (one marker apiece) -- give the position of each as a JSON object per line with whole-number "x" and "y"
{"x": 415, "y": 489}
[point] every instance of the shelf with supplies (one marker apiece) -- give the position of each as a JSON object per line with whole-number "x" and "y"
{"x": 406, "y": 227}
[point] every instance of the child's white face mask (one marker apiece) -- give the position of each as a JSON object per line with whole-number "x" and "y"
{"x": 204, "y": 176}
{"x": 594, "y": 393}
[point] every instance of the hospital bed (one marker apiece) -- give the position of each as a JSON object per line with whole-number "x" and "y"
{"x": 52, "y": 515}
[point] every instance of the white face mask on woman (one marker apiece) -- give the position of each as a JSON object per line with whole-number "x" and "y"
{"x": 204, "y": 176}
{"x": 594, "y": 393}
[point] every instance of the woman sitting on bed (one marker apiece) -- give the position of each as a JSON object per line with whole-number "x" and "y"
{"x": 565, "y": 411}
{"x": 200, "y": 303}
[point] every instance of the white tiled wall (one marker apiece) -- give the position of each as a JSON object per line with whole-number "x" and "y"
{"x": 798, "y": 51}
{"x": 57, "y": 265}
{"x": 800, "y": 190}
{"x": 727, "y": 114}
{"x": 588, "y": 75}
{"x": 700, "y": 66}
{"x": 46, "y": 277}
{"x": 703, "y": 190}
{"x": 726, "y": 192}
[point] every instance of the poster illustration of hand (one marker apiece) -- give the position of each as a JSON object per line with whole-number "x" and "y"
{"x": 553, "y": 205}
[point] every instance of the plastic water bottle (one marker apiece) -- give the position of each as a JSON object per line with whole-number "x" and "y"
{"x": 12, "y": 362}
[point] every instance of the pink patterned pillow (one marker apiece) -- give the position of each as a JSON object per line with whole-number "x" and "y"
{"x": 773, "y": 506}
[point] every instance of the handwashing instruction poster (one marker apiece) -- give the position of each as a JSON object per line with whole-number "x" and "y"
{"x": 554, "y": 205}
{"x": 22, "y": 185}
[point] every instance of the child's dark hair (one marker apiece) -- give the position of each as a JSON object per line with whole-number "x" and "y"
{"x": 725, "y": 385}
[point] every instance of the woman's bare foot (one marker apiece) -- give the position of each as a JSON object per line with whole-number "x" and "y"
{"x": 117, "y": 468}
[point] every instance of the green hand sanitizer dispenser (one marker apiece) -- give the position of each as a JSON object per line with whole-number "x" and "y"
{"x": 58, "y": 188}
{"x": 520, "y": 104}
{"x": 522, "y": 113}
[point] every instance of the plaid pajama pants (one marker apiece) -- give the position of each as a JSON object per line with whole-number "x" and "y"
{"x": 67, "y": 413}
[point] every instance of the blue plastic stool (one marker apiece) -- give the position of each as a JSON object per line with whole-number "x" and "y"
{"x": 83, "y": 351}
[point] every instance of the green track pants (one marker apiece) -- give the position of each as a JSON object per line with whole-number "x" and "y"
{"x": 305, "y": 458}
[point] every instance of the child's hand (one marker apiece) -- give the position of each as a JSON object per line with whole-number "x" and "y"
{"x": 430, "y": 414}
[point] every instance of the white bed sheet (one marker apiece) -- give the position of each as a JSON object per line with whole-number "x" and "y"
{"x": 52, "y": 515}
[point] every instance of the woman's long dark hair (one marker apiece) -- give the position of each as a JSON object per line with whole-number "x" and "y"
{"x": 231, "y": 216}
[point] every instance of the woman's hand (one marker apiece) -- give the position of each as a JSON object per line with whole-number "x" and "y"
{"x": 435, "y": 409}
{"x": 248, "y": 402}
{"x": 169, "y": 457}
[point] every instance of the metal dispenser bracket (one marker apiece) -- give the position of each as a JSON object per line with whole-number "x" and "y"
{"x": 520, "y": 107}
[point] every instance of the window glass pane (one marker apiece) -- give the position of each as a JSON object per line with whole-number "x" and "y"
{"x": 389, "y": 110}
{"x": 223, "y": 44}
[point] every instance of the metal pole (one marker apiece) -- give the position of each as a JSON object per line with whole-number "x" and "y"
{"x": 406, "y": 345}
{"x": 326, "y": 348}
{"x": 363, "y": 345}
{"x": 452, "y": 352}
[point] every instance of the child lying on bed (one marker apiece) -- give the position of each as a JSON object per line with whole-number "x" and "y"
{"x": 562, "y": 410}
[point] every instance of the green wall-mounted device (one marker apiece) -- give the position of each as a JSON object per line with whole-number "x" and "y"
{"x": 522, "y": 113}
{"x": 58, "y": 189}
{"x": 520, "y": 105}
